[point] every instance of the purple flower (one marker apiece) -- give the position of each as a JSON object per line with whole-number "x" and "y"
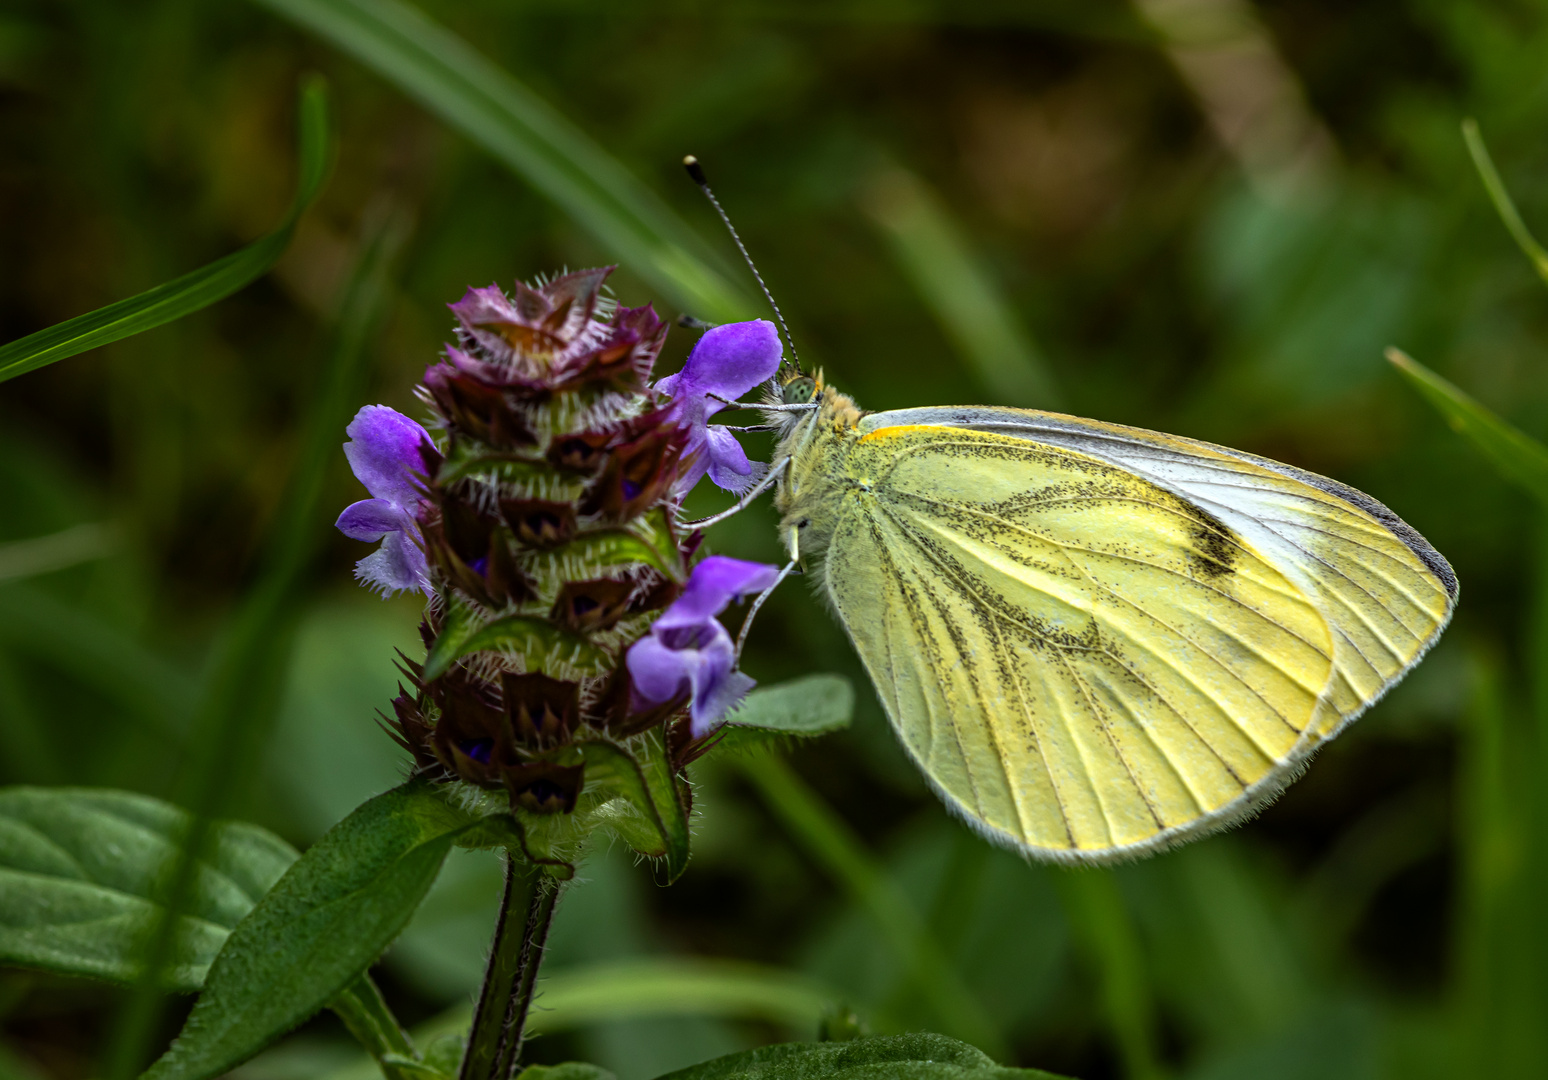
{"x": 728, "y": 361}
{"x": 387, "y": 451}
{"x": 688, "y": 648}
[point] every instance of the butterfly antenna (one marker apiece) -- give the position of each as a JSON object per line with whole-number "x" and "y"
{"x": 696, "y": 172}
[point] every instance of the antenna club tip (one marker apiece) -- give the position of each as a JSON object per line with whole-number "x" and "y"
{"x": 695, "y": 170}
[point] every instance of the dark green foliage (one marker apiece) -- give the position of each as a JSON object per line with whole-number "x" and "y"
{"x": 1382, "y": 919}
{"x": 319, "y": 928}
{"x": 83, "y": 874}
{"x": 879, "y": 1057}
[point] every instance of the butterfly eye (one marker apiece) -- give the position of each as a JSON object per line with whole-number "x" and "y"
{"x": 800, "y": 390}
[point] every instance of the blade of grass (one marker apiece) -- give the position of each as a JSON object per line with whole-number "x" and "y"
{"x": 1499, "y": 929}
{"x": 476, "y": 97}
{"x": 1519, "y": 457}
{"x": 828, "y": 840}
{"x": 684, "y": 987}
{"x": 195, "y": 290}
{"x": 241, "y": 692}
{"x": 1106, "y": 935}
{"x": 1503, "y": 204}
{"x": 959, "y": 290}
{"x": 42, "y": 554}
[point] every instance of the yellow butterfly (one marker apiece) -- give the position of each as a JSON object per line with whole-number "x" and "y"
{"x": 1097, "y": 640}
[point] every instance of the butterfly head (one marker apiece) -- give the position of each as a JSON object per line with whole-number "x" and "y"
{"x": 798, "y": 389}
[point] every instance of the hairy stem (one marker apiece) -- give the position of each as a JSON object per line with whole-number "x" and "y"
{"x": 500, "y": 1019}
{"x": 540, "y": 914}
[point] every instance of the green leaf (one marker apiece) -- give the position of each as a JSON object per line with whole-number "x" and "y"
{"x": 546, "y": 647}
{"x": 805, "y": 707}
{"x": 458, "y": 626}
{"x": 45, "y": 554}
{"x": 569, "y": 1070}
{"x": 368, "y": 1018}
{"x": 881, "y": 1057}
{"x": 82, "y": 870}
{"x": 1520, "y": 458}
{"x": 195, "y": 290}
{"x": 471, "y": 94}
{"x": 324, "y": 923}
{"x": 641, "y": 802}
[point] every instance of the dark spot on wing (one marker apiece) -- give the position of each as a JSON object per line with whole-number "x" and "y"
{"x": 1215, "y": 546}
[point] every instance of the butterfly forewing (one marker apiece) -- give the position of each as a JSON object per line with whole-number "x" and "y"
{"x": 1082, "y": 661}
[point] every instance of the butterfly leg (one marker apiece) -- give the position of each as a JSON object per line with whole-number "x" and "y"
{"x": 741, "y": 637}
{"x": 810, "y": 406}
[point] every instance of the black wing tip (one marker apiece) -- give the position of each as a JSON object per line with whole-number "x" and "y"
{"x": 1411, "y": 537}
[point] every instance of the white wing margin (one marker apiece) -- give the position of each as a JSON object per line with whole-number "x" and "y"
{"x": 1384, "y": 590}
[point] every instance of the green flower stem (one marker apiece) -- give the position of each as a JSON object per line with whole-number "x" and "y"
{"x": 371, "y": 1022}
{"x": 540, "y": 915}
{"x": 500, "y": 1019}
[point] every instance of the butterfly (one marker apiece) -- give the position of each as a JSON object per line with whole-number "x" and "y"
{"x": 1095, "y": 640}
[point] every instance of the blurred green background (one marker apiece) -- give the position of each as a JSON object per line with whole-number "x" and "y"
{"x": 1203, "y": 216}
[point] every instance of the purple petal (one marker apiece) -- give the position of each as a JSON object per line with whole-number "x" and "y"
{"x": 384, "y": 452}
{"x": 396, "y": 566}
{"x": 711, "y": 587}
{"x": 714, "y": 703}
{"x": 657, "y": 671}
{"x": 728, "y": 464}
{"x": 371, "y": 519}
{"x": 738, "y": 485}
{"x": 716, "y": 687}
{"x": 729, "y": 361}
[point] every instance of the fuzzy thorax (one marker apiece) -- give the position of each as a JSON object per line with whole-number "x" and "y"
{"x": 813, "y": 447}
